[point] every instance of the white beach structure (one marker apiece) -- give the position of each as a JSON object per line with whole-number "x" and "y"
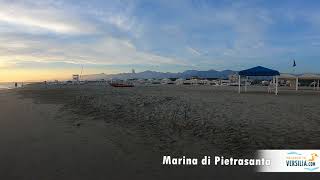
{"x": 165, "y": 81}
{"x": 290, "y": 77}
{"x": 214, "y": 82}
{"x": 194, "y": 81}
{"x": 294, "y": 79}
{"x": 179, "y": 81}
{"x": 75, "y": 77}
{"x": 203, "y": 82}
{"x": 225, "y": 82}
{"x": 187, "y": 82}
{"x": 314, "y": 77}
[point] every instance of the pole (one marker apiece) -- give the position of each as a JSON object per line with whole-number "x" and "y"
{"x": 273, "y": 80}
{"x": 239, "y": 84}
{"x": 273, "y": 83}
{"x": 276, "y": 85}
{"x": 245, "y": 85}
{"x": 314, "y": 84}
{"x": 297, "y": 83}
{"x": 318, "y": 85}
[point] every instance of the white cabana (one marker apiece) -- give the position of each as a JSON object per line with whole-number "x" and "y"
{"x": 291, "y": 77}
{"x": 314, "y": 77}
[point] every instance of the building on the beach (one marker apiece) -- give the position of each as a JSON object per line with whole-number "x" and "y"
{"x": 195, "y": 81}
{"x": 141, "y": 81}
{"x": 187, "y": 82}
{"x": 154, "y": 81}
{"x": 224, "y": 82}
{"x": 75, "y": 78}
{"x": 166, "y": 81}
{"x": 233, "y": 78}
{"x": 204, "y": 82}
{"x": 179, "y": 81}
{"x": 214, "y": 82}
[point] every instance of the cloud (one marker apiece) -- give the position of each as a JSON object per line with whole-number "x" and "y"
{"x": 193, "y": 51}
{"x": 159, "y": 33}
{"x": 117, "y": 17}
{"x": 105, "y": 51}
{"x": 41, "y": 17}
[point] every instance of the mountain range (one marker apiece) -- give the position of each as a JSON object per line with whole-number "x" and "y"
{"x": 160, "y": 75}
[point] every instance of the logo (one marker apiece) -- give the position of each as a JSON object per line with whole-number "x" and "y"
{"x": 291, "y": 160}
{"x": 308, "y": 162}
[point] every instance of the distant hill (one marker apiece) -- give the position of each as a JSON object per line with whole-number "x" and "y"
{"x": 160, "y": 75}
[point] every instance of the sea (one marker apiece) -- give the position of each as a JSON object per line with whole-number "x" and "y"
{"x": 8, "y": 85}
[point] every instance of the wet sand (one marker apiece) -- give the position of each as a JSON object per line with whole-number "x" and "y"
{"x": 97, "y": 132}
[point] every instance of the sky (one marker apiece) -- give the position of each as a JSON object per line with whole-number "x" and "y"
{"x": 52, "y": 39}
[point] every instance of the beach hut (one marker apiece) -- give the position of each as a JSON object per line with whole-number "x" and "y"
{"x": 258, "y": 71}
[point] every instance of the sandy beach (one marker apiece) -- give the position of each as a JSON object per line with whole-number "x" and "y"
{"x": 98, "y": 132}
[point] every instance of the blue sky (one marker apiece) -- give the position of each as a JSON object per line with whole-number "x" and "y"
{"x": 115, "y": 36}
